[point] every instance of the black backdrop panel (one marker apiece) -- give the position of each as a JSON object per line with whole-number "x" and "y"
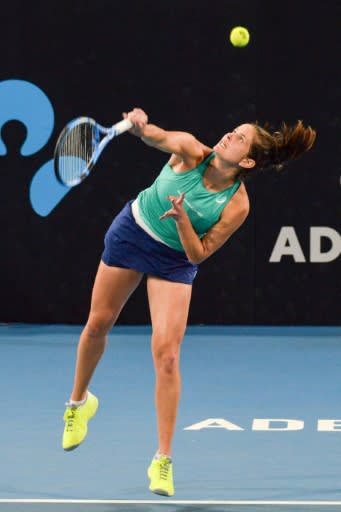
{"x": 174, "y": 60}
{"x": 299, "y": 68}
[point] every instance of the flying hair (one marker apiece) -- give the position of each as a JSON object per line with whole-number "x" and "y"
{"x": 276, "y": 149}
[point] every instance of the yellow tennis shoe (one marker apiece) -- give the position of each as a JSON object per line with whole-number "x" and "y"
{"x": 160, "y": 474}
{"x": 76, "y": 422}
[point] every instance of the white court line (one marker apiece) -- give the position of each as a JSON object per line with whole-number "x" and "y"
{"x": 172, "y": 502}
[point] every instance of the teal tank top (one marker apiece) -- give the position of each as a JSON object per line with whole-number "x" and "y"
{"x": 202, "y": 206}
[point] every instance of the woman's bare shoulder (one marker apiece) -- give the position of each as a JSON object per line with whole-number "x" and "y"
{"x": 239, "y": 202}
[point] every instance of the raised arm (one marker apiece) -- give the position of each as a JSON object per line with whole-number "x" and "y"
{"x": 182, "y": 144}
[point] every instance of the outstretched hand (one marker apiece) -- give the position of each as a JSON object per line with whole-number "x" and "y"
{"x": 139, "y": 119}
{"x": 177, "y": 209}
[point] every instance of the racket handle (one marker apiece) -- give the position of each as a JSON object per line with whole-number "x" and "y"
{"x": 122, "y": 126}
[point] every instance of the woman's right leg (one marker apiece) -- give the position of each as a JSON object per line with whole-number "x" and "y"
{"x": 112, "y": 288}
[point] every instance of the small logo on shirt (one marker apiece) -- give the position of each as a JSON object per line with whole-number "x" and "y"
{"x": 221, "y": 200}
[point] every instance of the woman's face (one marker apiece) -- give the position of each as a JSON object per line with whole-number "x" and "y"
{"x": 235, "y": 145}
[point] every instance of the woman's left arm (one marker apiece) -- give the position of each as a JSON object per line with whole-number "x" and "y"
{"x": 197, "y": 250}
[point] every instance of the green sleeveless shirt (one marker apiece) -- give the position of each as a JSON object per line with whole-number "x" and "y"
{"x": 202, "y": 206}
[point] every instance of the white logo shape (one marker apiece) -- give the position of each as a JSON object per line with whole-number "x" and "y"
{"x": 221, "y": 200}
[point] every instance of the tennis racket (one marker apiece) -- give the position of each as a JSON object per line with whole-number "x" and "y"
{"x": 79, "y": 146}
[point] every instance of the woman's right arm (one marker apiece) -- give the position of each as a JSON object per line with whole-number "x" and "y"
{"x": 181, "y": 144}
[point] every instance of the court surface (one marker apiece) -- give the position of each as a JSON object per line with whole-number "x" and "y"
{"x": 259, "y": 425}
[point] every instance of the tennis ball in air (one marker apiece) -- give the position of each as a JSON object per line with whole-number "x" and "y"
{"x": 239, "y": 36}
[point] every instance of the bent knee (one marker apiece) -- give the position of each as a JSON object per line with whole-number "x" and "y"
{"x": 98, "y": 325}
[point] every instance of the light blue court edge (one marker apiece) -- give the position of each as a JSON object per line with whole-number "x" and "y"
{"x": 259, "y": 426}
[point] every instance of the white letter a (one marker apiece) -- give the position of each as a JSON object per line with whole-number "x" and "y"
{"x": 214, "y": 423}
{"x": 287, "y": 244}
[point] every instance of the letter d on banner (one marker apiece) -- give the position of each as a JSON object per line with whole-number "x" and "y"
{"x": 316, "y": 254}
{"x": 282, "y": 424}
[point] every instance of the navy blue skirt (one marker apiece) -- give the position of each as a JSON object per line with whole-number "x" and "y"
{"x": 127, "y": 245}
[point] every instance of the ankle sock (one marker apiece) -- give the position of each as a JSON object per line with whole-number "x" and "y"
{"x": 158, "y": 455}
{"x": 76, "y": 403}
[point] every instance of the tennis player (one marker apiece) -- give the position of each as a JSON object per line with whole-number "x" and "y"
{"x": 193, "y": 207}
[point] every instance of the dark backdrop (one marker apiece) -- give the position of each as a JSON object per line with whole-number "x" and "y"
{"x": 174, "y": 60}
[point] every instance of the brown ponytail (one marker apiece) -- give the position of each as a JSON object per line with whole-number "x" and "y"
{"x": 277, "y": 149}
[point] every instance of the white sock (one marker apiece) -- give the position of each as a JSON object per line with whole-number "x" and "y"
{"x": 158, "y": 455}
{"x": 76, "y": 403}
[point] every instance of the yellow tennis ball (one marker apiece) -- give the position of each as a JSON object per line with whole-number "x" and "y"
{"x": 239, "y": 36}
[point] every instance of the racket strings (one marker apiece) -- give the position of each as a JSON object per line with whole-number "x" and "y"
{"x": 76, "y": 153}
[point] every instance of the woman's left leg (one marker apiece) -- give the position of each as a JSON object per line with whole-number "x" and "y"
{"x": 169, "y": 306}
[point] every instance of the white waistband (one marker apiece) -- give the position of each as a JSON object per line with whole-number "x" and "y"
{"x": 142, "y": 224}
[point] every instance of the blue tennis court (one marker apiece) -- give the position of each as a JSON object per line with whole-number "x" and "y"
{"x": 259, "y": 425}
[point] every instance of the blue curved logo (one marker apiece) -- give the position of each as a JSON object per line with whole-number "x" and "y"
{"x": 45, "y": 190}
{"x": 25, "y": 102}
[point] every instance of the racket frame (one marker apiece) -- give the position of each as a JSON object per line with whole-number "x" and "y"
{"x": 109, "y": 133}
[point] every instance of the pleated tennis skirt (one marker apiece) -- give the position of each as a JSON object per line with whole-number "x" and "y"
{"x": 127, "y": 245}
